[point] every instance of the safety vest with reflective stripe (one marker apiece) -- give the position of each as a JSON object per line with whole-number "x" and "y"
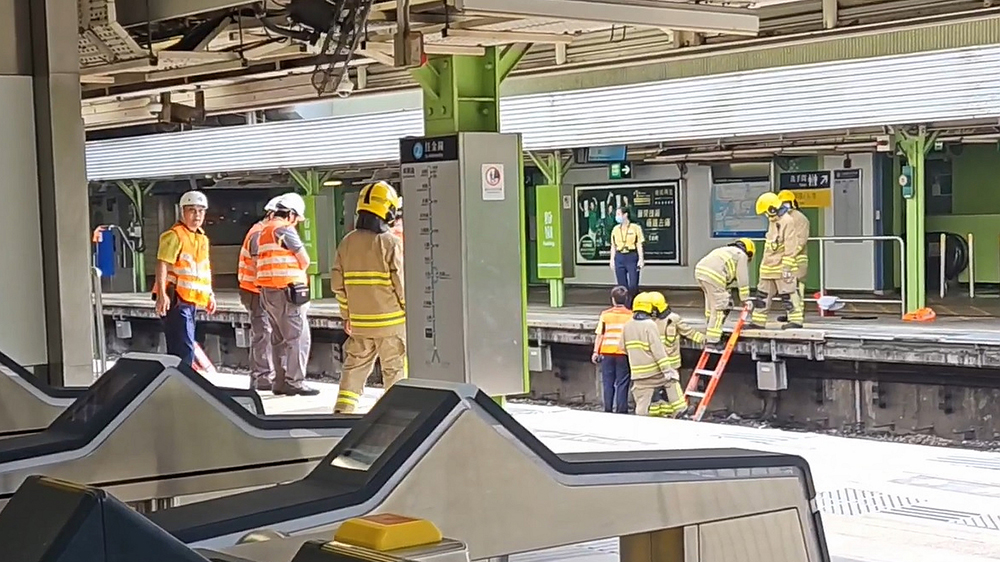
{"x": 647, "y": 356}
{"x": 247, "y": 272}
{"x": 191, "y": 274}
{"x": 671, "y": 329}
{"x": 609, "y": 329}
{"x": 367, "y": 280}
{"x": 277, "y": 267}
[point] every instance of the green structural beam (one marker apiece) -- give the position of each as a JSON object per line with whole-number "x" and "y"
{"x": 915, "y": 145}
{"x": 136, "y": 194}
{"x": 462, "y": 93}
{"x": 311, "y": 181}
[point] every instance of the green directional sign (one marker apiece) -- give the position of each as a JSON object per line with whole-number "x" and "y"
{"x": 620, "y": 171}
{"x": 548, "y": 216}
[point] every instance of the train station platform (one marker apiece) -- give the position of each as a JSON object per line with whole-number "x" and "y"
{"x": 957, "y": 341}
{"x": 880, "y": 501}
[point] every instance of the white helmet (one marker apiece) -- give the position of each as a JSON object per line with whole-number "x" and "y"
{"x": 194, "y": 199}
{"x": 272, "y": 205}
{"x": 292, "y": 202}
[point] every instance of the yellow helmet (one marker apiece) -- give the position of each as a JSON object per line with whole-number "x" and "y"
{"x": 658, "y": 301}
{"x": 642, "y": 303}
{"x": 748, "y": 245}
{"x": 768, "y": 203}
{"x": 379, "y": 199}
{"x": 787, "y": 196}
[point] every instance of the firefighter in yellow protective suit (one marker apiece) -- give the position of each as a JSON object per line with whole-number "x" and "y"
{"x": 778, "y": 267}
{"x": 672, "y": 329}
{"x": 719, "y": 270}
{"x": 652, "y": 378}
{"x": 367, "y": 281}
{"x": 787, "y": 198}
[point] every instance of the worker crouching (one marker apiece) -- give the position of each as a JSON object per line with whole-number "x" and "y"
{"x": 672, "y": 328}
{"x": 184, "y": 277}
{"x": 282, "y": 261}
{"x": 778, "y": 266}
{"x": 648, "y": 361}
{"x": 367, "y": 281}
{"x": 721, "y": 269}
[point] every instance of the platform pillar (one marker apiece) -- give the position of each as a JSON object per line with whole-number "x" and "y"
{"x": 461, "y": 94}
{"x": 45, "y": 218}
{"x": 914, "y": 145}
{"x": 311, "y": 181}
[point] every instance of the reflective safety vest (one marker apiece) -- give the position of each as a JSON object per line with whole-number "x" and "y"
{"x": 277, "y": 267}
{"x": 191, "y": 274}
{"x": 367, "y": 281}
{"x": 609, "y": 330}
{"x": 776, "y": 259}
{"x": 247, "y": 271}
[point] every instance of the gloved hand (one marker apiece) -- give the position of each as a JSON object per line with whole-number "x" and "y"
{"x": 786, "y": 274}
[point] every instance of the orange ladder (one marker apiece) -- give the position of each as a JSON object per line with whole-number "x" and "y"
{"x": 700, "y": 370}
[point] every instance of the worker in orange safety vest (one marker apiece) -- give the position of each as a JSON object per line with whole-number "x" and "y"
{"x": 282, "y": 261}
{"x": 184, "y": 276}
{"x": 261, "y": 363}
{"x": 610, "y": 353}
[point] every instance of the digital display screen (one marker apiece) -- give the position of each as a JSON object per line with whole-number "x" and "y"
{"x": 372, "y": 444}
{"x": 96, "y": 399}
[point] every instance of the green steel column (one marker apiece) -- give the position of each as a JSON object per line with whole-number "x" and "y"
{"x": 136, "y": 194}
{"x": 462, "y": 95}
{"x": 915, "y": 147}
{"x": 311, "y": 181}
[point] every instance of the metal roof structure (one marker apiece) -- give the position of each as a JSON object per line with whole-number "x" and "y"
{"x": 953, "y": 85}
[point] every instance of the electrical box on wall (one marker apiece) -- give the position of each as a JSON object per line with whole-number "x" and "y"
{"x": 772, "y": 375}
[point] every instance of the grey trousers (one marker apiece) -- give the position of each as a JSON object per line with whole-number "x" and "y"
{"x": 290, "y": 338}
{"x": 261, "y": 364}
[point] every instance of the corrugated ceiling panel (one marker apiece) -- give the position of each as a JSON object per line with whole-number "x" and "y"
{"x": 960, "y": 84}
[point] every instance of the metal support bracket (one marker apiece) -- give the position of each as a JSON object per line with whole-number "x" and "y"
{"x": 462, "y": 92}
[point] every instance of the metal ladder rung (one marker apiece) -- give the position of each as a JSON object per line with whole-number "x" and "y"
{"x": 695, "y": 394}
{"x": 715, "y": 350}
{"x": 705, "y": 372}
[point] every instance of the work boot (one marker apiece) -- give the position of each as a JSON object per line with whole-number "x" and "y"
{"x": 717, "y": 346}
{"x": 791, "y": 326}
{"x": 297, "y": 391}
{"x": 783, "y": 318}
{"x": 753, "y": 326}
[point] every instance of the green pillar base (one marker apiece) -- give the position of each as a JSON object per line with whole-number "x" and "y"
{"x": 557, "y": 293}
{"x": 501, "y": 400}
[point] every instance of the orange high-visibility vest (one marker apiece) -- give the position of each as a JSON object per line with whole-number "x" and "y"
{"x": 191, "y": 274}
{"x": 247, "y": 271}
{"x": 610, "y": 330}
{"x": 277, "y": 267}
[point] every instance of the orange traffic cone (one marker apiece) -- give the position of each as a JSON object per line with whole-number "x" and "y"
{"x": 201, "y": 362}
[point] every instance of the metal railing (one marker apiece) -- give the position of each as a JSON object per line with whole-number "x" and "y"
{"x": 823, "y": 240}
{"x": 901, "y": 301}
{"x": 100, "y": 343}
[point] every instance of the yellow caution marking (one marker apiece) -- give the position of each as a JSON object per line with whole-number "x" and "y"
{"x": 387, "y": 531}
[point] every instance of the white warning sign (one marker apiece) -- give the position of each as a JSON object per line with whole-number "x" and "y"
{"x": 493, "y": 182}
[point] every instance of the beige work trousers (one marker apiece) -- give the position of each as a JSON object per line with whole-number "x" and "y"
{"x": 803, "y": 271}
{"x": 644, "y": 389}
{"x": 768, "y": 288}
{"x": 716, "y": 304}
{"x": 360, "y": 354}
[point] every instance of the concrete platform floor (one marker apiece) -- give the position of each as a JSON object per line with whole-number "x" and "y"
{"x": 881, "y": 501}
